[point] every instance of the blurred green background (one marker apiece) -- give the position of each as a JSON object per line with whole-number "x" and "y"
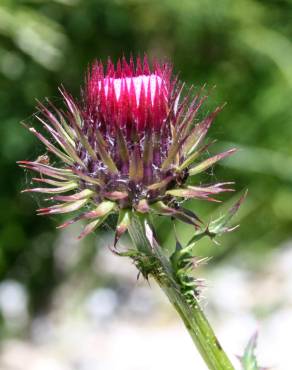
{"x": 243, "y": 47}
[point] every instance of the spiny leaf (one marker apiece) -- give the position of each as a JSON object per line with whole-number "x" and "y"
{"x": 218, "y": 226}
{"x": 87, "y": 178}
{"x": 122, "y": 145}
{"x": 60, "y": 124}
{"x": 99, "y": 213}
{"x": 210, "y": 162}
{"x": 69, "y": 100}
{"x": 51, "y": 147}
{"x": 115, "y": 195}
{"x": 200, "y": 192}
{"x": 181, "y": 214}
{"x": 103, "y": 153}
{"x": 161, "y": 184}
{"x": 61, "y": 189}
{"x": 148, "y": 149}
{"x": 58, "y": 173}
{"x": 249, "y": 359}
{"x": 198, "y": 133}
{"x": 191, "y": 158}
{"x": 62, "y": 208}
{"x": 136, "y": 166}
{"x": 86, "y": 193}
{"x": 221, "y": 224}
{"x": 142, "y": 206}
{"x": 49, "y": 181}
{"x": 190, "y": 113}
{"x": 102, "y": 209}
{"x": 83, "y": 139}
{"x": 123, "y": 223}
{"x": 172, "y": 153}
{"x": 183, "y": 263}
{"x": 64, "y": 143}
{"x": 89, "y": 228}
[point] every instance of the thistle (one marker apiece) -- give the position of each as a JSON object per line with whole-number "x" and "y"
{"x": 130, "y": 144}
{"x": 129, "y": 147}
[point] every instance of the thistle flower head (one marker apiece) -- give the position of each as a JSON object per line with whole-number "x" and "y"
{"x": 130, "y": 144}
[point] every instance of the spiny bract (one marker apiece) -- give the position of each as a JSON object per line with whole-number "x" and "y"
{"x": 129, "y": 145}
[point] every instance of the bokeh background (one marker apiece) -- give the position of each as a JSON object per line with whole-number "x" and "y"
{"x": 72, "y": 305}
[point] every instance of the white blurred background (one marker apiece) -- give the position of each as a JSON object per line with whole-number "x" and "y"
{"x": 129, "y": 325}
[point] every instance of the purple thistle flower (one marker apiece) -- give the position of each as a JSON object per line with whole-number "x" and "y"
{"x": 129, "y": 145}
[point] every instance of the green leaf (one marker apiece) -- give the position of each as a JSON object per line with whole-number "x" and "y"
{"x": 136, "y": 165}
{"x": 209, "y": 162}
{"x": 86, "y": 193}
{"x": 104, "y": 208}
{"x": 161, "y": 184}
{"x": 142, "y": 206}
{"x": 249, "y": 359}
{"x": 123, "y": 223}
{"x": 172, "y": 153}
{"x": 115, "y": 195}
{"x": 198, "y": 133}
{"x": 122, "y": 145}
{"x": 191, "y": 158}
{"x": 181, "y": 214}
{"x": 200, "y": 192}
{"x": 52, "y": 148}
{"x": 90, "y": 227}
{"x": 103, "y": 153}
{"x": 63, "y": 208}
{"x": 58, "y": 190}
{"x": 219, "y": 226}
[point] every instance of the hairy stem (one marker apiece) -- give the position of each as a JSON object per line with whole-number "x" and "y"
{"x": 192, "y": 315}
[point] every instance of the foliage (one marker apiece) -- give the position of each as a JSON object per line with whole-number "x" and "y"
{"x": 249, "y": 359}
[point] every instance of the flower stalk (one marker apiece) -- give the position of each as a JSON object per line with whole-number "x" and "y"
{"x": 195, "y": 321}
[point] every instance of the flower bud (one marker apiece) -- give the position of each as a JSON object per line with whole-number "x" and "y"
{"x": 129, "y": 145}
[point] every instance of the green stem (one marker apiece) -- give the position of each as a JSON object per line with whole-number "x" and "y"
{"x": 193, "y": 317}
